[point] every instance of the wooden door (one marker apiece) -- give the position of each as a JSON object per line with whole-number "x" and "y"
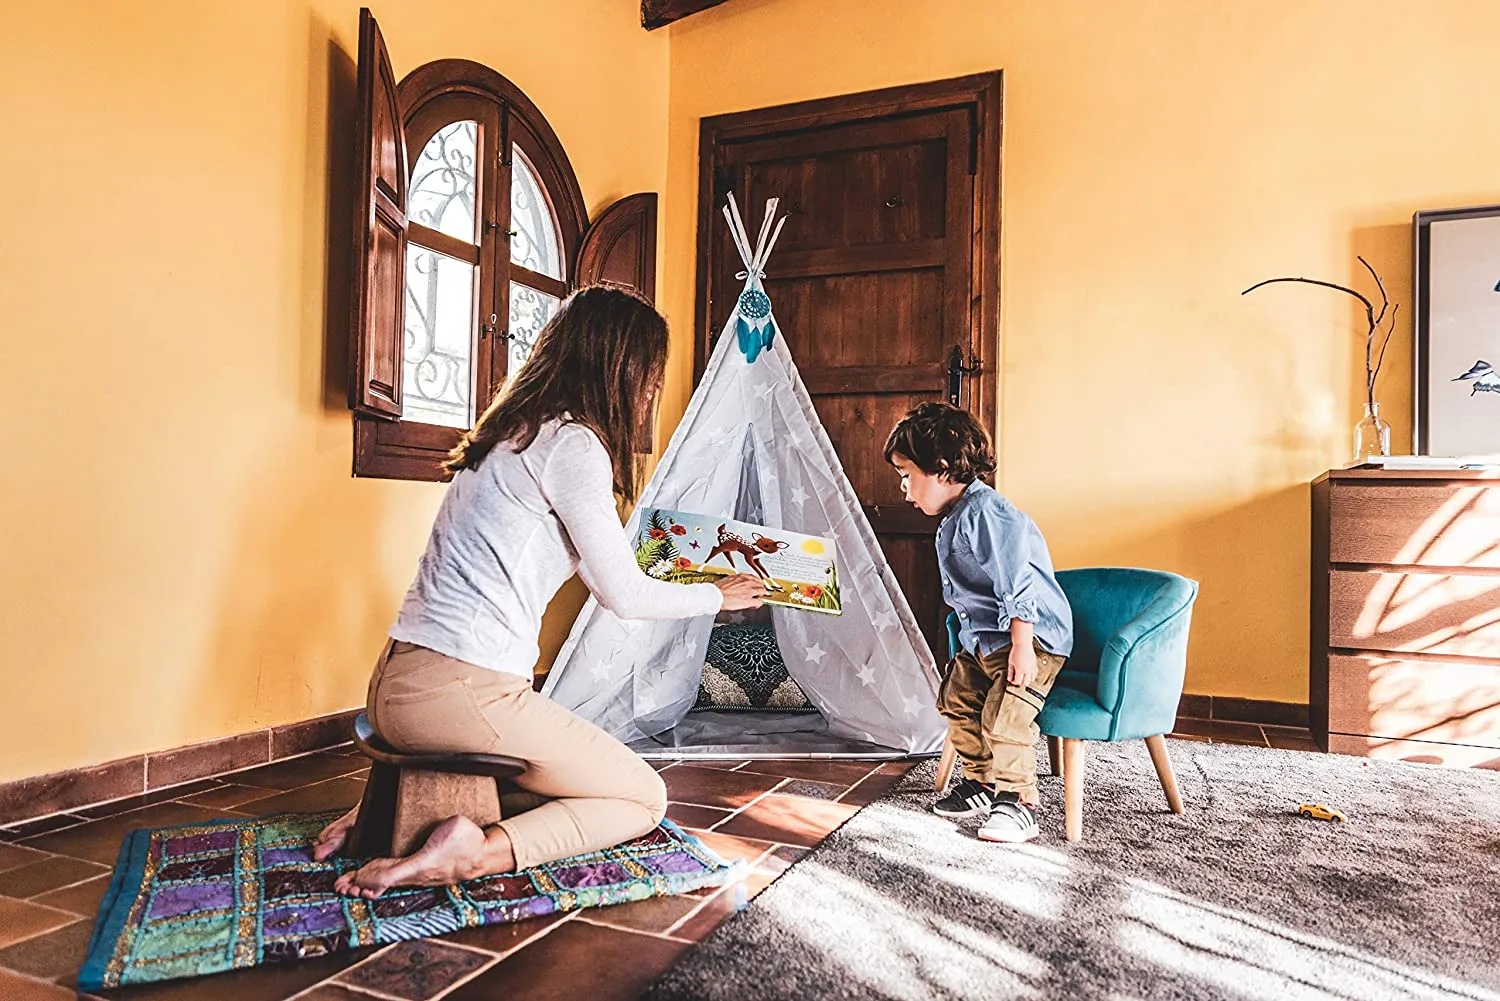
{"x": 884, "y": 279}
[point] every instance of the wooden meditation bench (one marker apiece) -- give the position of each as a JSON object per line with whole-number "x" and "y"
{"x": 407, "y": 795}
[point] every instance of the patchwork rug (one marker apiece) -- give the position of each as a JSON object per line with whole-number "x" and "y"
{"x": 206, "y": 898}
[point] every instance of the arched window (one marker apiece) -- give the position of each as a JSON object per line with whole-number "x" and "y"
{"x": 465, "y": 253}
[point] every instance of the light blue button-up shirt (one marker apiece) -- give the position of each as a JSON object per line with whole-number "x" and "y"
{"x": 995, "y": 568}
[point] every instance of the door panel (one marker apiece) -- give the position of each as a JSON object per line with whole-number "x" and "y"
{"x": 873, "y": 280}
{"x": 857, "y": 424}
{"x": 890, "y": 194}
{"x": 885, "y": 320}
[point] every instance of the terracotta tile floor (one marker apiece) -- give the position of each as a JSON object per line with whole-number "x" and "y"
{"x": 770, "y": 813}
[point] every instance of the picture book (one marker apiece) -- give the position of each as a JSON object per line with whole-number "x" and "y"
{"x": 800, "y": 571}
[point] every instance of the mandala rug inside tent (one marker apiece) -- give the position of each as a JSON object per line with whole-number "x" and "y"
{"x": 206, "y": 898}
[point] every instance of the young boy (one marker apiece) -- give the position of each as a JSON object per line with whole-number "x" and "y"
{"x": 1015, "y": 626}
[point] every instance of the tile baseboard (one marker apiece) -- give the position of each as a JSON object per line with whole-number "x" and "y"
{"x": 1196, "y": 706}
{"x": 1236, "y": 710}
{"x": 41, "y": 795}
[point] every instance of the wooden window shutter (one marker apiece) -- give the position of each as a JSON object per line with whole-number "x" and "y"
{"x": 378, "y": 303}
{"x": 620, "y": 247}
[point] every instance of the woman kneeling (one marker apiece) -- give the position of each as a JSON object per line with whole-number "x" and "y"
{"x": 532, "y": 501}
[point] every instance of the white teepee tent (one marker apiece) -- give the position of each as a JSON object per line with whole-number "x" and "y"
{"x": 751, "y": 447}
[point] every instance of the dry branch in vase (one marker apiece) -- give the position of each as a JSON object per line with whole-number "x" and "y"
{"x": 1374, "y": 319}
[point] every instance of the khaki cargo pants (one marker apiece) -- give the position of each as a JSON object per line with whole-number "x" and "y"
{"x": 992, "y": 723}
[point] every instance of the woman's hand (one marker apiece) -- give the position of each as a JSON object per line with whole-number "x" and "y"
{"x": 742, "y": 590}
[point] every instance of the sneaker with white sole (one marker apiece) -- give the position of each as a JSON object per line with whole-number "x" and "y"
{"x": 1011, "y": 821}
{"x": 967, "y": 799}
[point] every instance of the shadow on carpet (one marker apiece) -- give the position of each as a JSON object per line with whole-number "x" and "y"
{"x": 208, "y": 898}
{"x": 1237, "y": 898}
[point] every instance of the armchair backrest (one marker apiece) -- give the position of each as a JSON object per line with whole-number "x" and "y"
{"x": 1130, "y": 627}
{"x": 1103, "y": 600}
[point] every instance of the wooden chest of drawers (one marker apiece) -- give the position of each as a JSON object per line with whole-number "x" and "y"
{"x": 1405, "y": 640}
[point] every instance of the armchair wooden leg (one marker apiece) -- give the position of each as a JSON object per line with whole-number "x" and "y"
{"x": 1054, "y": 754}
{"x": 1073, "y": 787}
{"x": 1158, "y": 747}
{"x": 945, "y": 766}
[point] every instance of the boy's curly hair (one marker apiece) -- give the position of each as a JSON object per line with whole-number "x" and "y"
{"x": 939, "y": 438}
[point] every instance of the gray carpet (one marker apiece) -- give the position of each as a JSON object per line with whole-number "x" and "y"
{"x": 1238, "y": 898}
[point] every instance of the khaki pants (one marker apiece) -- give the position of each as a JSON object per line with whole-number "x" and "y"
{"x": 992, "y": 723}
{"x": 598, "y": 792}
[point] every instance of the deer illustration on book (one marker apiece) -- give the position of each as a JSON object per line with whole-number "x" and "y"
{"x": 729, "y": 544}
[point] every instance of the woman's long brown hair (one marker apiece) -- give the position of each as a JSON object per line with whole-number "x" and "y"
{"x": 600, "y": 361}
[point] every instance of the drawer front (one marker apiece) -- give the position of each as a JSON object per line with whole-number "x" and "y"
{"x": 1412, "y": 699}
{"x": 1446, "y": 525}
{"x": 1415, "y": 612}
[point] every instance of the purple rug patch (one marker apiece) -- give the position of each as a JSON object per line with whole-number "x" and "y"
{"x": 670, "y": 864}
{"x": 285, "y": 856}
{"x": 201, "y": 844}
{"x": 596, "y": 874}
{"x": 189, "y": 898}
{"x": 301, "y": 920}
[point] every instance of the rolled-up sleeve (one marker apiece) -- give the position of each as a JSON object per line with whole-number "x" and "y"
{"x": 1000, "y": 542}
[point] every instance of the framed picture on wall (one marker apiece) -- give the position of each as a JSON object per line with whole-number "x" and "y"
{"x": 1456, "y": 399}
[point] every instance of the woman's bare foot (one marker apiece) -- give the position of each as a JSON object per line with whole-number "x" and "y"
{"x": 333, "y": 836}
{"x": 456, "y": 851}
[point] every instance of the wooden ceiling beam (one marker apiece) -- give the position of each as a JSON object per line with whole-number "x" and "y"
{"x": 656, "y": 13}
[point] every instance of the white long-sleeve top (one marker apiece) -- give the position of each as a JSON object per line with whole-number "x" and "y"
{"x": 510, "y": 533}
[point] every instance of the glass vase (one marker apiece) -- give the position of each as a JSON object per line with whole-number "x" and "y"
{"x": 1372, "y": 436}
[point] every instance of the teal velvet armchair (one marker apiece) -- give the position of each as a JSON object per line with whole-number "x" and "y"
{"x": 1124, "y": 678}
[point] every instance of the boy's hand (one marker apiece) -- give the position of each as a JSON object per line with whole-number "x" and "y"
{"x": 1021, "y": 668}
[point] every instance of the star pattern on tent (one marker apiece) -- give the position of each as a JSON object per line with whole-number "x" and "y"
{"x": 866, "y": 676}
{"x": 601, "y": 668}
{"x": 911, "y": 704}
{"x": 885, "y": 619}
{"x": 815, "y": 653}
{"x": 798, "y": 495}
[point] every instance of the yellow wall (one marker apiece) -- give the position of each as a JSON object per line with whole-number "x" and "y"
{"x": 186, "y": 555}
{"x": 1160, "y": 156}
